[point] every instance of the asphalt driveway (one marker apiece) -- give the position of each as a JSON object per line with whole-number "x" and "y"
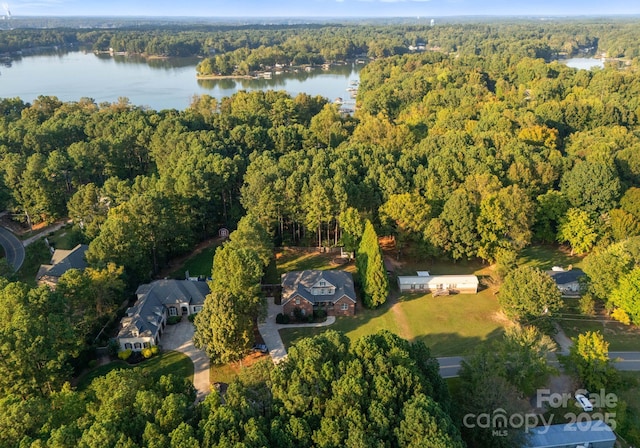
{"x": 13, "y": 248}
{"x": 179, "y": 337}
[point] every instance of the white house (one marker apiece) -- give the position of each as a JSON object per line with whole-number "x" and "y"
{"x": 145, "y": 321}
{"x": 425, "y": 282}
{"x": 568, "y": 280}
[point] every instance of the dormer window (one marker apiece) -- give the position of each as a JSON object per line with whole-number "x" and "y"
{"x": 323, "y": 283}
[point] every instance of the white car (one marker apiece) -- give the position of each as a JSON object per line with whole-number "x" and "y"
{"x": 584, "y": 403}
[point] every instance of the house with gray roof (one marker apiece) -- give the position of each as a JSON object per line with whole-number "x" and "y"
{"x": 61, "y": 262}
{"x": 331, "y": 291}
{"x": 568, "y": 280}
{"x": 146, "y": 320}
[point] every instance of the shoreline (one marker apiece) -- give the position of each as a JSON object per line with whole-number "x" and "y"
{"x": 224, "y": 76}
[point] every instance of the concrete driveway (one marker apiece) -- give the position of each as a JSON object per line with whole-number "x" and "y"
{"x": 269, "y": 330}
{"x": 179, "y": 337}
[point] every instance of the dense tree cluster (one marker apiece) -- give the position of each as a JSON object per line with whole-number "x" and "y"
{"x": 379, "y": 391}
{"x": 473, "y": 149}
{"x": 225, "y": 326}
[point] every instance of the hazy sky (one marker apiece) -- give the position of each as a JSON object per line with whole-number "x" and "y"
{"x": 320, "y": 8}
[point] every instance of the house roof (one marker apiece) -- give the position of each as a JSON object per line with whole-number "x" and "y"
{"x": 444, "y": 279}
{"x": 563, "y": 435}
{"x": 300, "y": 283}
{"x": 566, "y": 277}
{"x": 143, "y": 319}
{"x": 63, "y": 260}
{"x": 145, "y": 316}
{"x": 170, "y": 291}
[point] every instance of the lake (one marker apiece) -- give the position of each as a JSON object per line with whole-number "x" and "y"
{"x": 583, "y": 63}
{"x": 156, "y": 83}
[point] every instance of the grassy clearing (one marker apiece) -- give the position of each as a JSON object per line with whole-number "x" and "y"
{"x": 198, "y": 264}
{"x": 293, "y": 260}
{"x": 453, "y": 325}
{"x": 165, "y": 363}
{"x": 226, "y": 373}
{"x": 546, "y": 257}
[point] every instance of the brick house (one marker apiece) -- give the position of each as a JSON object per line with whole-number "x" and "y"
{"x": 331, "y": 291}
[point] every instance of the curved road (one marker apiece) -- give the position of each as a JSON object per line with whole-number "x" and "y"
{"x": 13, "y": 248}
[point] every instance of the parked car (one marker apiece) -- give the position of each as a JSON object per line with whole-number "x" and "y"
{"x": 584, "y": 402}
{"x": 262, "y": 348}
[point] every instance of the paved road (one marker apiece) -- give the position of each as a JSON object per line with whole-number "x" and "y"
{"x": 179, "y": 337}
{"x": 626, "y": 360}
{"x": 13, "y": 248}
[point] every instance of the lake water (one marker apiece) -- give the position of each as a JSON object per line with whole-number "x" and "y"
{"x": 584, "y": 63}
{"x": 157, "y": 84}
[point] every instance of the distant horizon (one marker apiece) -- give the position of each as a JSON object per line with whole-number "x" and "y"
{"x": 320, "y": 9}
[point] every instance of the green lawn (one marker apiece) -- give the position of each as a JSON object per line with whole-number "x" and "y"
{"x": 619, "y": 336}
{"x": 451, "y": 325}
{"x": 545, "y": 257}
{"x": 199, "y": 264}
{"x": 293, "y": 260}
{"x": 65, "y": 238}
{"x": 163, "y": 364}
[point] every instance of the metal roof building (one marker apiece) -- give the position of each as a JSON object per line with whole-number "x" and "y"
{"x": 592, "y": 434}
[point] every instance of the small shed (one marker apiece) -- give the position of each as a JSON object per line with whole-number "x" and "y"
{"x": 223, "y": 232}
{"x": 592, "y": 434}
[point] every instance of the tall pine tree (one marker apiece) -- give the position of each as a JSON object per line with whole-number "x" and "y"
{"x": 375, "y": 284}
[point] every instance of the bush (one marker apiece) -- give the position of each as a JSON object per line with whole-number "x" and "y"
{"x": 320, "y": 313}
{"x": 172, "y": 320}
{"x": 113, "y": 347}
{"x": 191, "y": 317}
{"x": 93, "y": 363}
{"x": 155, "y": 350}
{"x": 124, "y": 354}
{"x": 146, "y": 353}
{"x": 282, "y": 318}
{"x": 587, "y": 305}
{"x": 297, "y": 313}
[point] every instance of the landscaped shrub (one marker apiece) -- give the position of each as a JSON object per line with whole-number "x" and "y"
{"x": 191, "y": 317}
{"x": 172, "y": 320}
{"x": 146, "y": 353}
{"x": 319, "y": 314}
{"x": 297, "y": 314}
{"x": 113, "y": 347}
{"x": 124, "y": 354}
{"x": 282, "y": 318}
{"x": 155, "y": 350}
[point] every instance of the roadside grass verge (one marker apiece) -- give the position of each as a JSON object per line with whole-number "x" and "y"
{"x": 619, "y": 336}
